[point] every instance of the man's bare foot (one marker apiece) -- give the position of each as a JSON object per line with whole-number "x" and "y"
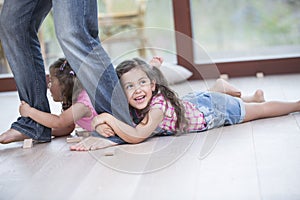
{"x": 12, "y": 135}
{"x": 257, "y": 97}
{"x": 223, "y": 86}
{"x": 92, "y": 143}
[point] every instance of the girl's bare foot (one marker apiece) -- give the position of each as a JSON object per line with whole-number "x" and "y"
{"x": 12, "y": 135}
{"x": 223, "y": 86}
{"x": 156, "y": 61}
{"x": 257, "y": 97}
{"x": 92, "y": 143}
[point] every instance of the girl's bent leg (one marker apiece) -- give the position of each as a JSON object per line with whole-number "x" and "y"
{"x": 223, "y": 86}
{"x": 269, "y": 109}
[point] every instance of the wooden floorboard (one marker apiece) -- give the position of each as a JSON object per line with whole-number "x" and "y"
{"x": 254, "y": 160}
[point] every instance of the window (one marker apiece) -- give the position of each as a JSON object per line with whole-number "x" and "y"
{"x": 246, "y": 30}
{"x": 202, "y": 54}
{"x": 249, "y": 37}
{"x": 158, "y": 32}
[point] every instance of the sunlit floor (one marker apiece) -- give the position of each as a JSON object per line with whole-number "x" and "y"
{"x": 255, "y": 160}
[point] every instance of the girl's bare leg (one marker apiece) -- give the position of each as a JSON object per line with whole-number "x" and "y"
{"x": 223, "y": 86}
{"x": 270, "y": 109}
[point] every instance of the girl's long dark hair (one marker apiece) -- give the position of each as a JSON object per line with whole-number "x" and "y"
{"x": 154, "y": 74}
{"x": 70, "y": 85}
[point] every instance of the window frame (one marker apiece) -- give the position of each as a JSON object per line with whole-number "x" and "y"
{"x": 185, "y": 52}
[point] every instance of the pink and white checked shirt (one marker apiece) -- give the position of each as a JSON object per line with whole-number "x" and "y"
{"x": 196, "y": 121}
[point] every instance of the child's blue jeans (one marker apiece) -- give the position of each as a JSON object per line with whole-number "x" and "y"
{"x": 219, "y": 109}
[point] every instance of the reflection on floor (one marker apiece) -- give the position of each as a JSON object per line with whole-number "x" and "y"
{"x": 255, "y": 160}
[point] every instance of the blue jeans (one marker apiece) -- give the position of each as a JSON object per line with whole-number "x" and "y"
{"x": 76, "y": 26}
{"x": 219, "y": 109}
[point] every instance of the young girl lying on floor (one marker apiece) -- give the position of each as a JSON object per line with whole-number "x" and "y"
{"x": 160, "y": 112}
{"x": 76, "y": 105}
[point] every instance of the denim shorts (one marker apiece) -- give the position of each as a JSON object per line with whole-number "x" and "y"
{"x": 219, "y": 109}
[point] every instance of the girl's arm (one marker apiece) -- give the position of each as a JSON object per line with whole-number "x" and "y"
{"x": 63, "y": 131}
{"x": 65, "y": 119}
{"x": 128, "y": 133}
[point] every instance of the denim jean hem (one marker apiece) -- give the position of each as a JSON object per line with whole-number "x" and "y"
{"x": 33, "y": 136}
{"x": 243, "y": 110}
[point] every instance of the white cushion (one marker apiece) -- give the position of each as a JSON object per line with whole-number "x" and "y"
{"x": 175, "y": 73}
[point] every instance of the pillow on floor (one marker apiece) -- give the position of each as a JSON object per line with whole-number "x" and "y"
{"x": 175, "y": 73}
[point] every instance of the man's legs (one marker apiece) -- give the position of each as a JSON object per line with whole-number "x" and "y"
{"x": 76, "y": 24}
{"x": 19, "y": 24}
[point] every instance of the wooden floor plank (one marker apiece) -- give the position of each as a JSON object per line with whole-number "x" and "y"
{"x": 243, "y": 163}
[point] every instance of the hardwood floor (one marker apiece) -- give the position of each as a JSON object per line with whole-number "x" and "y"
{"x": 254, "y": 160}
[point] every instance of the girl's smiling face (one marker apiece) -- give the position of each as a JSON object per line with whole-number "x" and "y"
{"x": 138, "y": 88}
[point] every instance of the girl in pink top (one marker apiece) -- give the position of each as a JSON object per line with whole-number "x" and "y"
{"x": 76, "y": 105}
{"x": 160, "y": 111}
